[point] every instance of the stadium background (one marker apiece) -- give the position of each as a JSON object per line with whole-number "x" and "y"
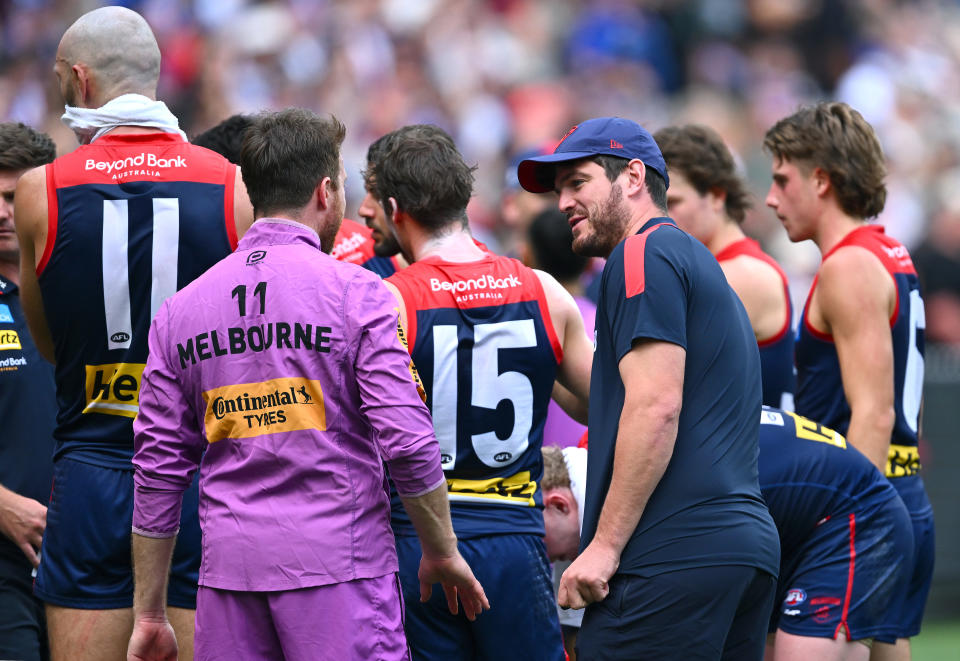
{"x": 504, "y": 75}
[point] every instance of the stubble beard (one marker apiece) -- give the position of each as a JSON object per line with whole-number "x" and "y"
{"x": 607, "y": 223}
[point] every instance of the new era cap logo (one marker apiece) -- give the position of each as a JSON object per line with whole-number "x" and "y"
{"x": 615, "y": 145}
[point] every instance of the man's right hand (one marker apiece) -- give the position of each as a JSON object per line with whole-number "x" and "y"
{"x": 457, "y": 579}
{"x": 22, "y": 520}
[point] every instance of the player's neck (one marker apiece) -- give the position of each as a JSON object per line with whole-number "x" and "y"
{"x": 728, "y": 233}
{"x": 833, "y": 227}
{"x": 10, "y": 271}
{"x": 452, "y": 246}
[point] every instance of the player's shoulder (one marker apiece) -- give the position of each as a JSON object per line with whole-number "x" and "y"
{"x": 850, "y": 265}
{"x": 749, "y": 274}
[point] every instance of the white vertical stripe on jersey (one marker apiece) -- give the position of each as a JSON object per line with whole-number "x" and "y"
{"x": 444, "y": 393}
{"x": 166, "y": 239}
{"x": 116, "y": 275}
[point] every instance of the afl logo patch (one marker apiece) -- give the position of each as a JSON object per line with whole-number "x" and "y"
{"x": 120, "y": 337}
{"x": 795, "y": 597}
{"x": 256, "y": 257}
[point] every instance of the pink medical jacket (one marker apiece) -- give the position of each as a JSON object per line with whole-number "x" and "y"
{"x": 281, "y": 374}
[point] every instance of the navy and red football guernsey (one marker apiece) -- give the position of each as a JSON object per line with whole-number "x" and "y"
{"x": 354, "y": 244}
{"x": 29, "y": 412}
{"x": 820, "y": 396}
{"x": 809, "y": 473}
{"x": 662, "y": 284}
{"x": 132, "y": 219}
{"x": 483, "y": 342}
{"x": 819, "y": 384}
{"x": 776, "y": 353}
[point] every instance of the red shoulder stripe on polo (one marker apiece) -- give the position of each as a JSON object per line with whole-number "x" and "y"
{"x": 633, "y": 261}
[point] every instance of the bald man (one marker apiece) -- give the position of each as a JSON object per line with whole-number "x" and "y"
{"x": 107, "y": 233}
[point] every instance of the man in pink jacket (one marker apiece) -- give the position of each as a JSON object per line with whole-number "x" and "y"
{"x": 280, "y": 374}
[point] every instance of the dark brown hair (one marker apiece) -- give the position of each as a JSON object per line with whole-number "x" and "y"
{"x": 21, "y": 147}
{"x": 699, "y": 154}
{"x": 654, "y": 182}
{"x": 286, "y": 154}
{"x": 836, "y": 138}
{"x": 419, "y": 166}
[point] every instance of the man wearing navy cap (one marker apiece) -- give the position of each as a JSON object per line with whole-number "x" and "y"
{"x": 679, "y": 554}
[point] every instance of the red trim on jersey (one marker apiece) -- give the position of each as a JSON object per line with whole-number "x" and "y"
{"x": 417, "y": 283}
{"x": 750, "y": 248}
{"x": 79, "y": 167}
{"x": 633, "y": 255}
{"x": 548, "y": 321}
{"x": 584, "y": 440}
{"x": 228, "y": 217}
{"x": 850, "y": 573}
{"x": 52, "y": 215}
{"x": 892, "y": 255}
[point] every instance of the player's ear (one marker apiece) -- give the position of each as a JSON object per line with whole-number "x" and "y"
{"x": 718, "y": 199}
{"x": 636, "y": 174}
{"x": 392, "y": 210}
{"x": 555, "y": 499}
{"x": 323, "y": 192}
{"x": 821, "y": 179}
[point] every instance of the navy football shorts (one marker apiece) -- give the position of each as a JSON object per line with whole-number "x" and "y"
{"x": 848, "y": 576}
{"x": 914, "y": 496}
{"x": 699, "y": 614}
{"x": 85, "y": 558}
{"x": 522, "y": 620}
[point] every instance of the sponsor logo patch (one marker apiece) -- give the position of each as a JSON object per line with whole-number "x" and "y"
{"x": 5, "y": 315}
{"x": 114, "y": 389}
{"x": 513, "y": 490}
{"x": 12, "y": 364}
{"x": 822, "y": 606}
{"x": 256, "y": 257}
{"x": 771, "y": 418}
{"x": 246, "y": 410}
{"x": 9, "y": 340}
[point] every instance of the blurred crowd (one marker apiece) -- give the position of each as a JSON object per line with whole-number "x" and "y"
{"x": 503, "y": 76}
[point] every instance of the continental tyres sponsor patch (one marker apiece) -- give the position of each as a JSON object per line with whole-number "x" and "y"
{"x": 113, "y": 389}
{"x": 246, "y": 410}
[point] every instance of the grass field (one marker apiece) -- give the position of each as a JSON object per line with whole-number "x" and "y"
{"x": 939, "y": 641}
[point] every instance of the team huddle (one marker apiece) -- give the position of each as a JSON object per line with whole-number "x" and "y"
{"x": 330, "y": 440}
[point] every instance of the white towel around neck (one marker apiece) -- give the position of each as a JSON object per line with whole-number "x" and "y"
{"x": 88, "y": 124}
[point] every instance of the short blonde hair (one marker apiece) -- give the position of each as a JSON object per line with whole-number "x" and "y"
{"x": 555, "y": 474}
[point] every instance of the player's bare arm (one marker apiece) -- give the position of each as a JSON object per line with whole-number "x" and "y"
{"x": 153, "y": 637}
{"x": 30, "y": 218}
{"x": 652, "y": 374}
{"x": 441, "y": 561}
{"x": 761, "y": 291}
{"x": 242, "y": 209}
{"x": 573, "y": 374}
{"x": 853, "y": 301}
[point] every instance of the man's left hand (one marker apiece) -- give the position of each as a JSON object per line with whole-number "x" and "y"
{"x": 586, "y": 580}
{"x": 153, "y": 639}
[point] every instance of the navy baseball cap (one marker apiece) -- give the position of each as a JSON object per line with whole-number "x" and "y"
{"x": 611, "y": 136}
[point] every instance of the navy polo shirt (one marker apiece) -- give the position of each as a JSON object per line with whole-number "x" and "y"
{"x": 707, "y": 510}
{"x": 28, "y": 413}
